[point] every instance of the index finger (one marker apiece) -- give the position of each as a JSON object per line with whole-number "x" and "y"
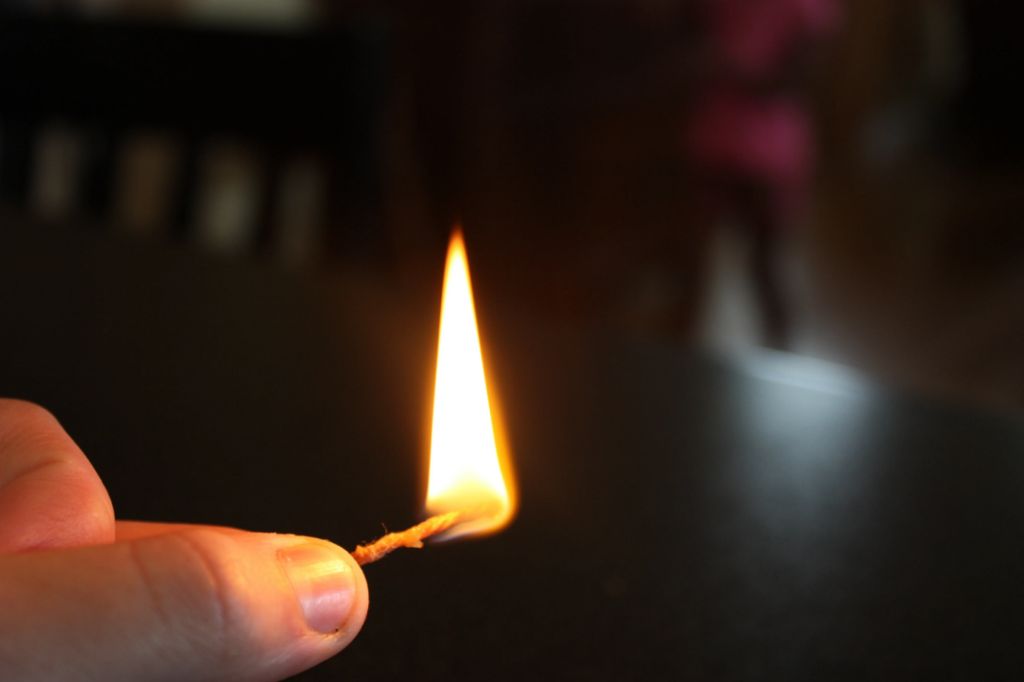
{"x": 50, "y": 496}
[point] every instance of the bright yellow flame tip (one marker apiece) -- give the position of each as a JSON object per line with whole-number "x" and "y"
{"x": 468, "y": 472}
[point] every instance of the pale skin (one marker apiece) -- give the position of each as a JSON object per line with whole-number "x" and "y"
{"x": 86, "y": 597}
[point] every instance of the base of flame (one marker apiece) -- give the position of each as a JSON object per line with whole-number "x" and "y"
{"x": 410, "y": 537}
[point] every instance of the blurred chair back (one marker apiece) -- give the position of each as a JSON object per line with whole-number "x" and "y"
{"x": 240, "y": 140}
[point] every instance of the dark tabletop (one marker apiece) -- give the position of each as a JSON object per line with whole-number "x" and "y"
{"x": 682, "y": 516}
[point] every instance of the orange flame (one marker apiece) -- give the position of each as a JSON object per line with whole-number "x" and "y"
{"x": 469, "y": 469}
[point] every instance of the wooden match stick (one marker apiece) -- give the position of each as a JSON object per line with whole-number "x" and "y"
{"x": 410, "y": 537}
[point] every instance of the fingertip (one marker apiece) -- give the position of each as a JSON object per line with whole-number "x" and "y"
{"x": 329, "y": 586}
{"x": 353, "y": 623}
{"x": 290, "y": 601}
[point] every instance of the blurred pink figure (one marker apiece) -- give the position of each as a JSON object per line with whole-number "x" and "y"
{"x": 749, "y": 134}
{"x": 754, "y": 141}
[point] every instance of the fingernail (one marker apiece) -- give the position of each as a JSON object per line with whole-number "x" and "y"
{"x": 323, "y": 583}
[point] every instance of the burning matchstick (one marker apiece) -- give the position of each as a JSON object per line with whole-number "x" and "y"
{"x": 469, "y": 483}
{"x": 410, "y": 537}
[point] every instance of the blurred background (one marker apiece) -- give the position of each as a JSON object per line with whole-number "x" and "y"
{"x": 835, "y": 179}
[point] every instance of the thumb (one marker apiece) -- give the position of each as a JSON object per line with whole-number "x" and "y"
{"x": 193, "y": 604}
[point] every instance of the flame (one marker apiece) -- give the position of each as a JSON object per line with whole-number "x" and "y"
{"x": 468, "y": 470}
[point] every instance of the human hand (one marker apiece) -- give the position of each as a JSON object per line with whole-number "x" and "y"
{"x": 85, "y": 597}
